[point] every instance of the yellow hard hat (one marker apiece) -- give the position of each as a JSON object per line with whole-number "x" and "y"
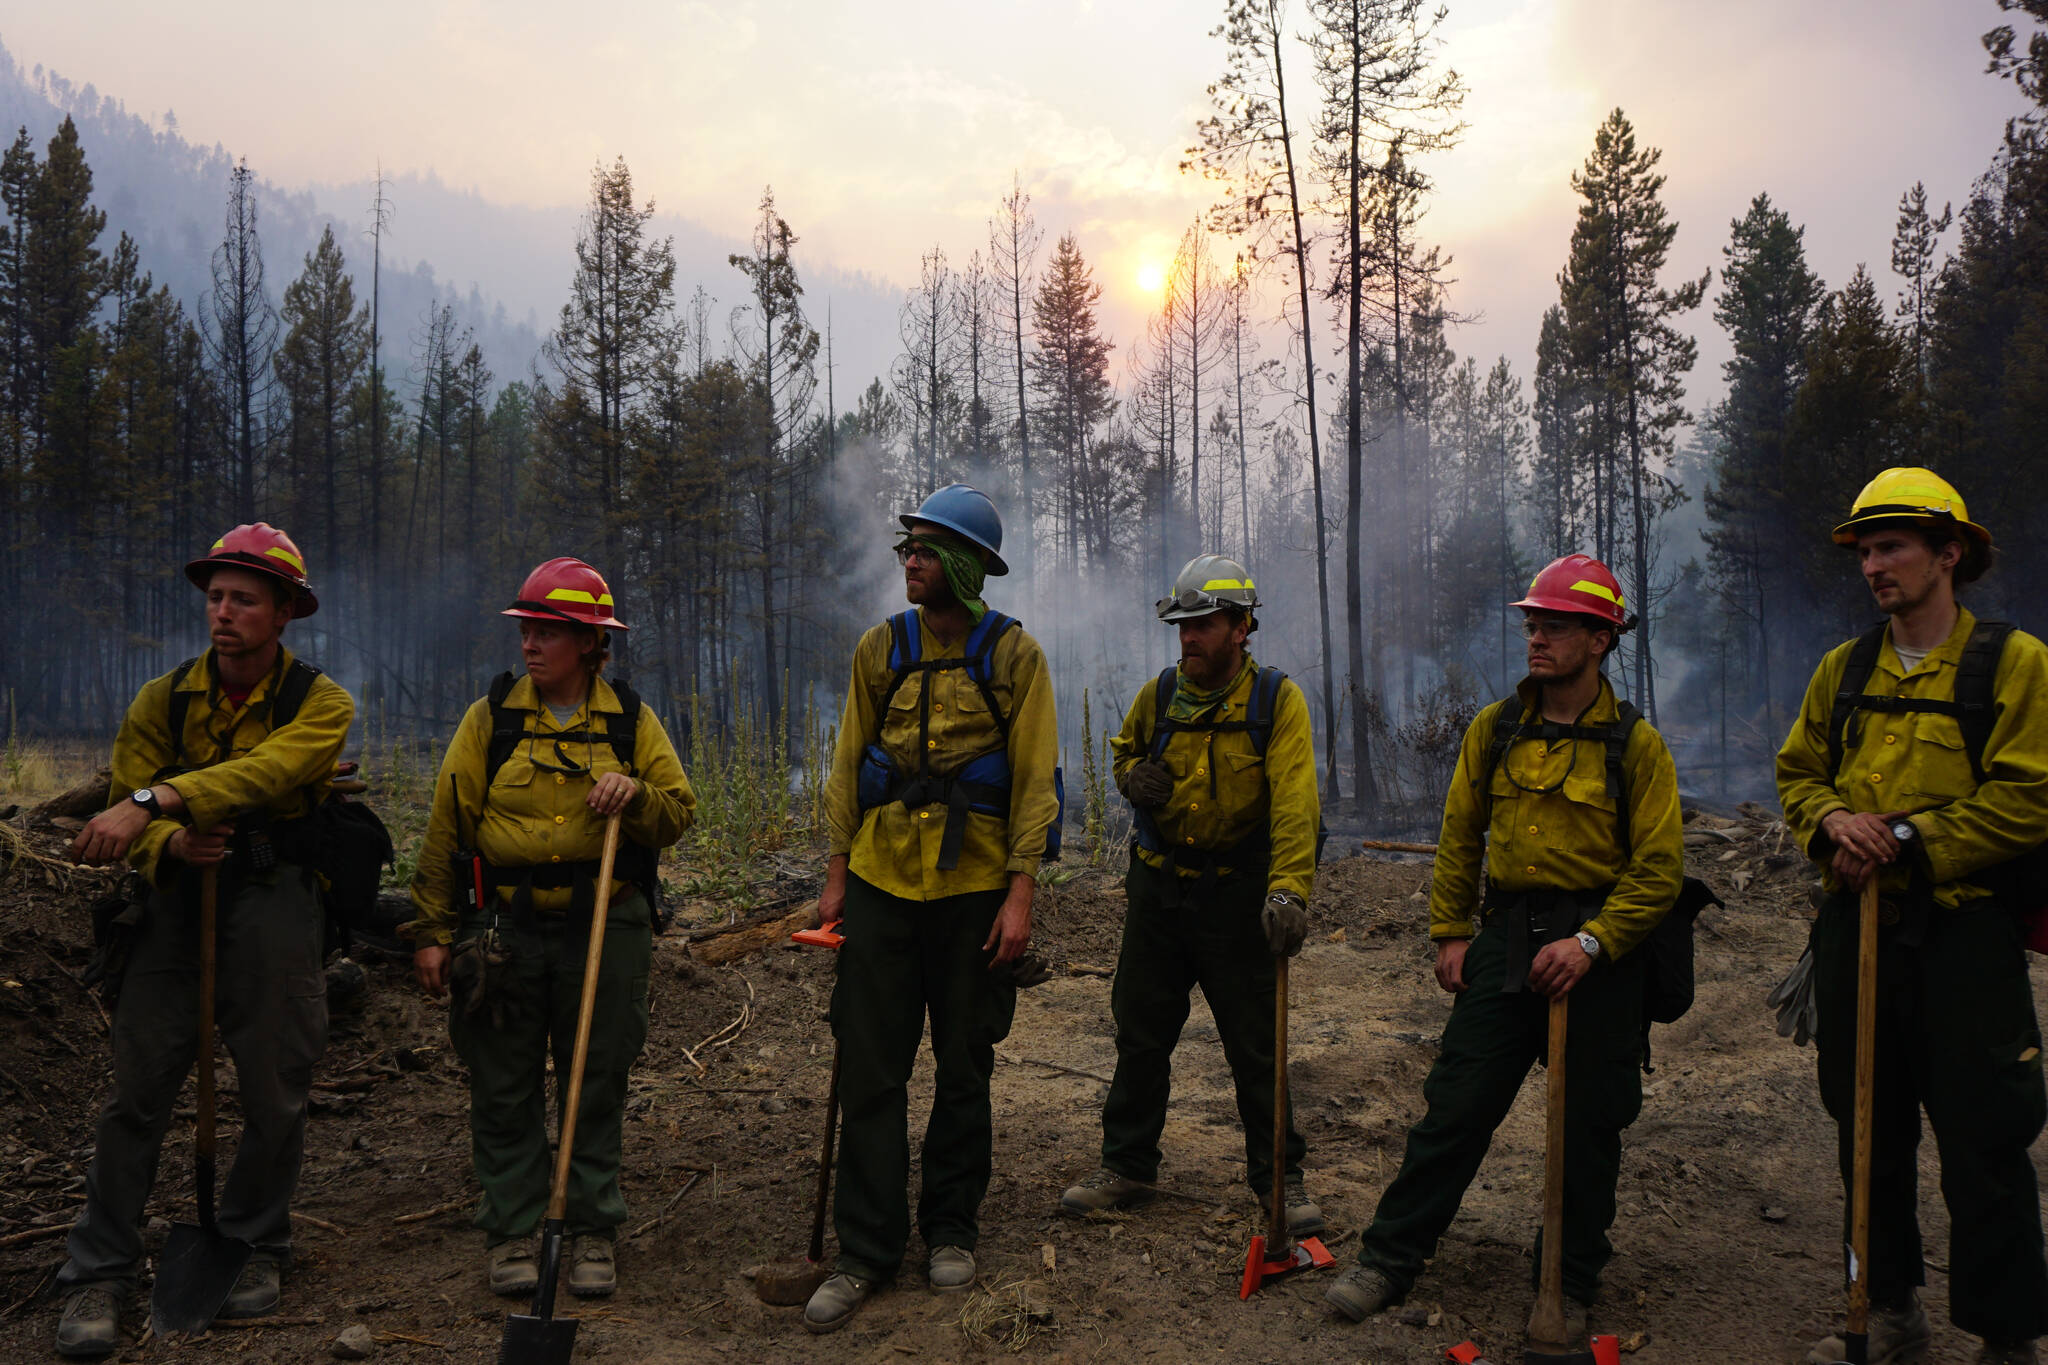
{"x": 1909, "y": 493}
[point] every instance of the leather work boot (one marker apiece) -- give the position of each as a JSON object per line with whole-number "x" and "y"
{"x": 91, "y": 1325}
{"x": 1898, "y": 1336}
{"x": 2007, "y": 1353}
{"x": 1361, "y": 1291}
{"x": 951, "y": 1270}
{"x": 513, "y": 1270}
{"x": 1103, "y": 1191}
{"x": 256, "y": 1294}
{"x": 1304, "y": 1216}
{"x": 834, "y": 1301}
{"x": 592, "y": 1273}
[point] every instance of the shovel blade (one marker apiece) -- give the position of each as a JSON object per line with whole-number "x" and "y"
{"x": 194, "y": 1277}
{"x": 1307, "y": 1254}
{"x": 537, "y": 1341}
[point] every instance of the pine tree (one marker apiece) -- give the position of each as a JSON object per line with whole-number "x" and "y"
{"x": 1013, "y": 241}
{"x": 1070, "y": 372}
{"x": 319, "y": 364}
{"x": 241, "y": 336}
{"x": 1914, "y": 242}
{"x": 1620, "y": 317}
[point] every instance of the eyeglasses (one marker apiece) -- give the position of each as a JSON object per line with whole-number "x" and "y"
{"x": 568, "y": 766}
{"x": 923, "y": 554}
{"x": 1551, "y": 629}
{"x": 1187, "y": 599}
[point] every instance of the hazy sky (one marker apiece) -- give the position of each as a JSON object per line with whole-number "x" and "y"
{"x": 887, "y": 127}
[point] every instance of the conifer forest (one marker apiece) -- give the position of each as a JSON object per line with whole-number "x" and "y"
{"x": 1300, "y": 397}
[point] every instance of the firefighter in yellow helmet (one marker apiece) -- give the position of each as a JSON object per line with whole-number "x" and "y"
{"x": 505, "y": 889}
{"x": 1920, "y": 758}
{"x": 220, "y": 765}
{"x": 1218, "y": 763}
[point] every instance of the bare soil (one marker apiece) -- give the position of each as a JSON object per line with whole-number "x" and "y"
{"x": 1727, "y": 1242}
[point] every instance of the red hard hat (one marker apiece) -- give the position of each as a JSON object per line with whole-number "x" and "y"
{"x": 566, "y": 590}
{"x": 264, "y": 549}
{"x": 1579, "y": 584}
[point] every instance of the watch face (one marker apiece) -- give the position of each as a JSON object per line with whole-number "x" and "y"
{"x": 144, "y": 796}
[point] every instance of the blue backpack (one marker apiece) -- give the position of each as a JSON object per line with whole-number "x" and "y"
{"x": 982, "y": 784}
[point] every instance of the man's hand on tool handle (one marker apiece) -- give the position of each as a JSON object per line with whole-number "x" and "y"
{"x": 1558, "y": 967}
{"x": 612, "y": 793}
{"x": 1863, "y": 844}
{"x": 430, "y": 966}
{"x": 832, "y": 900}
{"x": 201, "y": 848}
{"x": 1450, "y": 963}
{"x": 1011, "y": 933}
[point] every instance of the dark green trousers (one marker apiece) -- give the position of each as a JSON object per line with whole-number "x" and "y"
{"x": 508, "y": 1133}
{"x": 1174, "y": 942}
{"x": 270, "y": 1006}
{"x": 1489, "y": 1044}
{"x": 902, "y": 960}
{"x": 1957, "y": 1036}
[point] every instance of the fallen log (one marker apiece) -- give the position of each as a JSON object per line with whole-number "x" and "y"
{"x": 81, "y": 802}
{"x": 754, "y": 938}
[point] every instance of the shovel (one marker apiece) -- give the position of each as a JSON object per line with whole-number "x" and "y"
{"x": 1856, "y": 1334}
{"x": 539, "y": 1337}
{"x": 1275, "y": 1253}
{"x": 200, "y": 1263}
{"x": 790, "y": 1284}
{"x": 1547, "y": 1344}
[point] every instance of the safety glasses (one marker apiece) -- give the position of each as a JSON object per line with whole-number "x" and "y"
{"x": 918, "y": 551}
{"x": 1550, "y": 628}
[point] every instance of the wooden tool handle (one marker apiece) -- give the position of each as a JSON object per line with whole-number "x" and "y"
{"x": 1396, "y": 846}
{"x": 558, "y": 1198}
{"x": 1546, "y": 1324}
{"x": 1866, "y": 1081}
{"x": 1277, "y": 1241}
{"x": 203, "y": 1138}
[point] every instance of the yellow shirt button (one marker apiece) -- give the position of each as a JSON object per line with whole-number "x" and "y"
{"x": 1532, "y": 829}
{"x": 931, "y": 744}
{"x": 938, "y": 706}
{"x": 924, "y": 815}
{"x": 1189, "y": 840}
{"x": 559, "y": 779}
{"x": 561, "y": 819}
{"x": 1891, "y": 739}
{"x": 1532, "y": 869}
{"x": 555, "y": 858}
{"x": 1201, "y": 772}
{"x": 1876, "y": 778}
{"x": 1194, "y": 805}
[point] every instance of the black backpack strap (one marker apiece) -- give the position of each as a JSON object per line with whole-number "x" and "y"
{"x": 1855, "y": 677}
{"x": 1162, "y": 698}
{"x": 291, "y": 693}
{"x": 625, "y": 735}
{"x": 1975, "y": 676}
{"x": 180, "y": 708}
{"x": 1617, "y": 774}
{"x": 508, "y": 728}
{"x": 1259, "y": 709}
{"x": 1498, "y": 738}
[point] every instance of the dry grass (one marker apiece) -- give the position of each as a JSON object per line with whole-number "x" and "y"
{"x": 34, "y": 770}
{"x": 1006, "y": 1316}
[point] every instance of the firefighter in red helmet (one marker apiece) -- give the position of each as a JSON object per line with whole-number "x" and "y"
{"x": 219, "y": 767}
{"x": 504, "y": 893}
{"x": 1568, "y": 800}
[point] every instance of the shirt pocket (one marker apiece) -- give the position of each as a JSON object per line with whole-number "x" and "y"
{"x": 1584, "y": 824}
{"x": 1939, "y": 765}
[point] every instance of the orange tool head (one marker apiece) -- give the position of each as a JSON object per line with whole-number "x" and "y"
{"x": 1307, "y": 1254}
{"x": 818, "y": 938}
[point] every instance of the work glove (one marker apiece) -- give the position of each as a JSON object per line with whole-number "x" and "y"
{"x": 1285, "y": 920}
{"x": 1025, "y": 971}
{"x": 1792, "y": 998}
{"x": 481, "y": 974}
{"x": 1147, "y": 783}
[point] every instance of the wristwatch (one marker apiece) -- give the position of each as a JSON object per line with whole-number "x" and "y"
{"x": 1903, "y": 831}
{"x": 1589, "y": 943}
{"x": 145, "y": 797}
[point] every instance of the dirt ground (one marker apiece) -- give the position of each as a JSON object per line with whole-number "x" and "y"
{"x": 1727, "y": 1241}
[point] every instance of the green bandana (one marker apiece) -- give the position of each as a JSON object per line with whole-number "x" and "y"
{"x": 964, "y": 571}
{"x": 1190, "y": 701}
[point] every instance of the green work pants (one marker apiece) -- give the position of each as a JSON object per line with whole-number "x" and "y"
{"x": 1489, "y": 1044}
{"x": 270, "y": 1006}
{"x": 903, "y": 959}
{"x": 1177, "y": 937}
{"x": 508, "y": 1133}
{"x": 1956, "y": 1035}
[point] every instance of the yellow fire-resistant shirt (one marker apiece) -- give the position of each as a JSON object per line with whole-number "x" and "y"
{"x": 1564, "y": 839}
{"x": 1915, "y": 762}
{"x": 895, "y": 848}
{"x": 239, "y": 764}
{"x": 532, "y": 817}
{"x": 1224, "y": 789}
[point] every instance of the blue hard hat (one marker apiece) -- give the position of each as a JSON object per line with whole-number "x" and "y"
{"x": 965, "y": 512}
